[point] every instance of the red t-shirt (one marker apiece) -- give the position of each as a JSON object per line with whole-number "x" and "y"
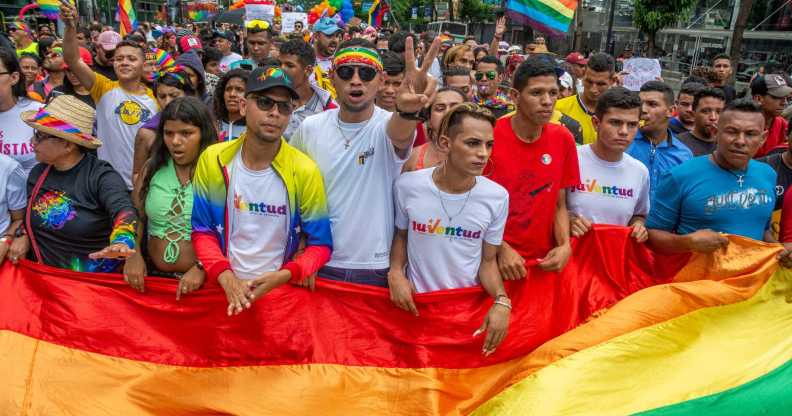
{"x": 776, "y": 137}
{"x": 420, "y": 135}
{"x": 533, "y": 173}
{"x": 785, "y": 228}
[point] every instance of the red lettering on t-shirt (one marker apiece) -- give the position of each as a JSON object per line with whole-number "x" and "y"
{"x": 533, "y": 173}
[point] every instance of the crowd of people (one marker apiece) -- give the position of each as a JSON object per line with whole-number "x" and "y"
{"x": 403, "y": 161}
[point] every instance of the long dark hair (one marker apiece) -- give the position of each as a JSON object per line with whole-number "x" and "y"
{"x": 219, "y": 95}
{"x": 11, "y": 64}
{"x": 190, "y": 110}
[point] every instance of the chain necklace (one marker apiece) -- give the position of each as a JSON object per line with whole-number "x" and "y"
{"x": 740, "y": 175}
{"x": 442, "y": 203}
{"x": 348, "y": 140}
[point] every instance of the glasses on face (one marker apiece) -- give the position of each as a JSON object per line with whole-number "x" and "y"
{"x": 489, "y": 74}
{"x": 257, "y": 24}
{"x": 12, "y": 29}
{"x": 265, "y": 103}
{"x": 347, "y": 72}
{"x": 39, "y": 137}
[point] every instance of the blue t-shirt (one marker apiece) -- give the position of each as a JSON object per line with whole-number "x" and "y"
{"x": 658, "y": 159}
{"x": 699, "y": 194}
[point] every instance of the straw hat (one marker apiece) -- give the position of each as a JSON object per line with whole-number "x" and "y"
{"x": 65, "y": 117}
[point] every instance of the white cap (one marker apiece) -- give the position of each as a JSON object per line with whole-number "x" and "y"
{"x": 566, "y": 80}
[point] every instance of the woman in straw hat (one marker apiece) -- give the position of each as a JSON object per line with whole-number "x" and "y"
{"x": 77, "y": 203}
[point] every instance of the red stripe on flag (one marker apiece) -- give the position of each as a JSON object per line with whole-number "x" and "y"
{"x": 338, "y": 324}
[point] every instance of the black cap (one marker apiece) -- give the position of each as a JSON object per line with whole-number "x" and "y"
{"x": 264, "y": 78}
{"x": 222, "y": 34}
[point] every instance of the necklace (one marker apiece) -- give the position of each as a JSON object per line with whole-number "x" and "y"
{"x": 348, "y": 140}
{"x": 740, "y": 175}
{"x": 442, "y": 202}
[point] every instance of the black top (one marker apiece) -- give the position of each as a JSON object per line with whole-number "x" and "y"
{"x": 784, "y": 176}
{"x": 107, "y": 71}
{"x": 69, "y": 90}
{"x": 75, "y": 212}
{"x": 729, "y": 92}
{"x": 697, "y": 146}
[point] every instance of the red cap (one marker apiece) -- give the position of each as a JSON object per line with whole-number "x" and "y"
{"x": 86, "y": 57}
{"x": 188, "y": 43}
{"x": 576, "y": 58}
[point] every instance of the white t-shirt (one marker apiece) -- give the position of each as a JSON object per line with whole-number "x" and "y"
{"x": 258, "y": 220}
{"x": 609, "y": 192}
{"x": 16, "y": 136}
{"x": 13, "y": 190}
{"x": 229, "y": 59}
{"x": 359, "y": 184}
{"x": 119, "y": 115}
{"x": 443, "y": 252}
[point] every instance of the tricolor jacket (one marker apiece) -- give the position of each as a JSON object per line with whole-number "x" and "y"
{"x": 307, "y": 209}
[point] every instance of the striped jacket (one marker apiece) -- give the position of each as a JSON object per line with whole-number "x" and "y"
{"x": 307, "y": 209}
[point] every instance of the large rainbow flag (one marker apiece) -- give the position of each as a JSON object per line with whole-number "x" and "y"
{"x": 551, "y": 17}
{"x": 620, "y": 331}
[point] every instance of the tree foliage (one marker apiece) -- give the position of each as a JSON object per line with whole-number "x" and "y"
{"x": 651, "y": 16}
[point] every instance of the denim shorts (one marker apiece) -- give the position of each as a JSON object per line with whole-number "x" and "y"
{"x": 369, "y": 277}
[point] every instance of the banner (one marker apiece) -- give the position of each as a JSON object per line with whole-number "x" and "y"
{"x": 259, "y": 10}
{"x": 620, "y": 331}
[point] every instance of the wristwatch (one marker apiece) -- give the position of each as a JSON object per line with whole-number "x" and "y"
{"x": 199, "y": 265}
{"x": 20, "y": 232}
{"x": 6, "y": 239}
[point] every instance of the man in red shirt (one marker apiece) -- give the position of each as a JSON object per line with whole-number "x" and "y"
{"x": 771, "y": 92}
{"x": 536, "y": 161}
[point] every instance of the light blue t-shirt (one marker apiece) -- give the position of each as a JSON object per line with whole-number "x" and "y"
{"x": 699, "y": 194}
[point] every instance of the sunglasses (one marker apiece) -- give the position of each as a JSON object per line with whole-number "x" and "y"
{"x": 12, "y": 29}
{"x": 39, "y": 137}
{"x": 490, "y": 75}
{"x": 265, "y": 103}
{"x": 257, "y": 24}
{"x": 346, "y": 72}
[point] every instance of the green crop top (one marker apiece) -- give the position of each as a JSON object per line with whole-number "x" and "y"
{"x": 169, "y": 210}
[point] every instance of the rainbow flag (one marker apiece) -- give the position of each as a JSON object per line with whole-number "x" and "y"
{"x": 49, "y": 8}
{"x": 377, "y": 12}
{"x": 126, "y": 17}
{"x": 551, "y": 17}
{"x": 621, "y": 331}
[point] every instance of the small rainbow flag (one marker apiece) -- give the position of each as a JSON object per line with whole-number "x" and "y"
{"x": 126, "y": 17}
{"x": 49, "y": 8}
{"x": 551, "y": 17}
{"x": 377, "y": 12}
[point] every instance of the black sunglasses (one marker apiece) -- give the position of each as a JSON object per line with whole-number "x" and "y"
{"x": 490, "y": 75}
{"x": 346, "y": 72}
{"x": 265, "y": 103}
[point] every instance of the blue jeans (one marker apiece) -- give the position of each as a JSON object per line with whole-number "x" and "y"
{"x": 360, "y": 276}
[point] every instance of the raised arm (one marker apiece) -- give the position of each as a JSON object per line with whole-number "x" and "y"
{"x": 500, "y": 29}
{"x": 413, "y": 96}
{"x": 71, "y": 50}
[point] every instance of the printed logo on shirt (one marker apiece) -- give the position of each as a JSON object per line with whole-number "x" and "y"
{"x": 612, "y": 191}
{"x": 434, "y": 227}
{"x": 362, "y": 156}
{"x": 15, "y": 149}
{"x": 742, "y": 199}
{"x": 258, "y": 208}
{"x": 54, "y": 209}
{"x": 547, "y": 159}
{"x": 132, "y": 113}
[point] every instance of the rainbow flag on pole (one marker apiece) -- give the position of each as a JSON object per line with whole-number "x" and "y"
{"x": 551, "y": 17}
{"x": 126, "y": 17}
{"x": 621, "y": 331}
{"x": 377, "y": 12}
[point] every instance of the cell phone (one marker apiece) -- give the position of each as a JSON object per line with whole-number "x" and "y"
{"x": 248, "y": 67}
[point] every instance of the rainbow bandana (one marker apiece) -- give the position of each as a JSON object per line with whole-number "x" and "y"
{"x": 176, "y": 72}
{"x": 20, "y": 26}
{"x": 45, "y": 119}
{"x": 357, "y": 56}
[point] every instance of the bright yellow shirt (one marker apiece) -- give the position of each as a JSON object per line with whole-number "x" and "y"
{"x": 573, "y": 107}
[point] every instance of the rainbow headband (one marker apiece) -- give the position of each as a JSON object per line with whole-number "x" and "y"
{"x": 45, "y": 119}
{"x": 359, "y": 56}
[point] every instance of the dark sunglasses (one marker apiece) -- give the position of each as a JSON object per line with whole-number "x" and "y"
{"x": 265, "y": 103}
{"x": 366, "y": 73}
{"x": 39, "y": 137}
{"x": 490, "y": 75}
